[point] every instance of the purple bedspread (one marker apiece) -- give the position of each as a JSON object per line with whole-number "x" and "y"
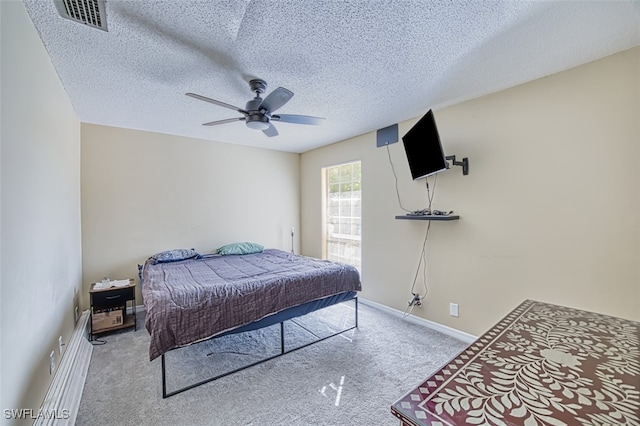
{"x": 192, "y": 300}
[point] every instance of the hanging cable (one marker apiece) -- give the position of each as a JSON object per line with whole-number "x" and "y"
{"x": 396, "y": 180}
{"x": 423, "y": 258}
{"x": 430, "y": 195}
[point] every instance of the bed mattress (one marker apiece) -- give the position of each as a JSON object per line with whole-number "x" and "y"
{"x": 193, "y": 300}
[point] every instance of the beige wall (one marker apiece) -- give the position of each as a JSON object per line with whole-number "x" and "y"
{"x": 146, "y": 192}
{"x": 41, "y": 252}
{"x": 561, "y": 228}
{"x": 549, "y": 210}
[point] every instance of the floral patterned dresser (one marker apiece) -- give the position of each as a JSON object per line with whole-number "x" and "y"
{"x": 542, "y": 364}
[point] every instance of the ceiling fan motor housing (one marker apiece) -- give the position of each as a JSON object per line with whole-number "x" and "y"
{"x": 257, "y": 118}
{"x": 254, "y": 104}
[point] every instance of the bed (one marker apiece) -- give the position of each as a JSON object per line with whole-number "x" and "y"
{"x": 200, "y": 298}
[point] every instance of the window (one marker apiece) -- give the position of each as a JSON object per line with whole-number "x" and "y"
{"x": 342, "y": 213}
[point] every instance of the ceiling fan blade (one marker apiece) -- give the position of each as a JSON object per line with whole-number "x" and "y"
{"x": 219, "y": 103}
{"x": 298, "y": 119}
{"x": 226, "y": 120}
{"x": 271, "y": 131}
{"x": 276, "y": 99}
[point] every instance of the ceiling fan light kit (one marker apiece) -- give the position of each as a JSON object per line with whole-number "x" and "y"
{"x": 257, "y": 122}
{"x": 257, "y": 113}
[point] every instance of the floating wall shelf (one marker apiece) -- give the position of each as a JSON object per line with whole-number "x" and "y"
{"x": 428, "y": 217}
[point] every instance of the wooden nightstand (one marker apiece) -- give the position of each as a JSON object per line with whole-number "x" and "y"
{"x": 109, "y": 308}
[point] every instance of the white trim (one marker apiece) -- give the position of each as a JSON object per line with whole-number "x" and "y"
{"x": 61, "y": 404}
{"x": 460, "y": 335}
{"x": 139, "y": 309}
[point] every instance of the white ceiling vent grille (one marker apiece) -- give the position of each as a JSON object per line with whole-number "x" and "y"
{"x": 88, "y": 12}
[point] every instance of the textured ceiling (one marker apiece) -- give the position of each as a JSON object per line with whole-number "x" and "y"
{"x": 362, "y": 65}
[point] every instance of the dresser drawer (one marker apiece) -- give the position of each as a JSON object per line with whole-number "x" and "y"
{"x": 110, "y": 298}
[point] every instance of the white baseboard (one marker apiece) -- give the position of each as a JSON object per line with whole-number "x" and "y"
{"x": 139, "y": 309}
{"x": 61, "y": 404}
{"x": 460, "y": 335}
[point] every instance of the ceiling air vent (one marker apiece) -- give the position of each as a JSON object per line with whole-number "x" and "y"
{"x": 88, "y": 12}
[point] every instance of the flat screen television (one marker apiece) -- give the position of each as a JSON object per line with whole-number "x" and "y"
{"x": 423, "y": 148}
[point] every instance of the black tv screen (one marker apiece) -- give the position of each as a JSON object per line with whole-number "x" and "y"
{"x": 423, "y": 148}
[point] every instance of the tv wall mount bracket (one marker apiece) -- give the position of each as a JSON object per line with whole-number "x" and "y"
{"x": 464, "y": 163}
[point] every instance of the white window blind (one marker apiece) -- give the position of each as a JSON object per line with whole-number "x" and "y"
{"x": 342, "y": 213}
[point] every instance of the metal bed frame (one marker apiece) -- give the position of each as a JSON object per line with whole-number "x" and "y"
{"x": 266, "y": 322}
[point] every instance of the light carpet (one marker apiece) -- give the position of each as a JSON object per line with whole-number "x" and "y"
{"x": 349, "y": 379}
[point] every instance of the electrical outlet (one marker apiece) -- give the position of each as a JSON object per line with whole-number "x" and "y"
{"x": 415, "y": 300}
{"x": 52, "y": 362}
{"x": 60, "y": 345}
{"x": 453, "y": 309}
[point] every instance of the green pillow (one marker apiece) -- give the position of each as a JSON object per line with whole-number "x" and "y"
{"x": 240, "y": 248}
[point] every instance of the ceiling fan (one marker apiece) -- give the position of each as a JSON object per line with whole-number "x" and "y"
{"x": 258, "y": 113}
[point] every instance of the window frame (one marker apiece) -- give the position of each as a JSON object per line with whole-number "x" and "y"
{"x": 326, "y": 236}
